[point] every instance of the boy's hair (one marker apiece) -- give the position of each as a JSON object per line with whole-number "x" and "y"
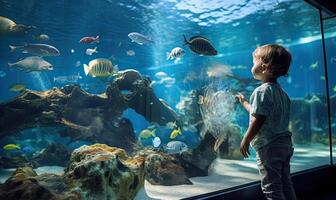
{"x": 276, "y": 57}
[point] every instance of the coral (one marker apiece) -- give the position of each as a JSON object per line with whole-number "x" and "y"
{"x": 54, "y": 154}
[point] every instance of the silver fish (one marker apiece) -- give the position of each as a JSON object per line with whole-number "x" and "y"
{"x": 175, "y": 147}
{"x": 37, "y": 49}
{"x": 200, "y": 45}
{"x": 67, "y": 79}
{"x": 32, "y": 63}
{"x": 139, "y": 38}
{"x": 177, "y": 52}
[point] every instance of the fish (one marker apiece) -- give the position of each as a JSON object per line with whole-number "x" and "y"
{"x": 322, "y": 78}
{"x": 67, "y": 79}
{"x": 171, "y": 125}
{"x": 146, "y": 133}
{"x": 72, "y": 51}
{"x": 334, "y": 89}
{"x": 314, "y": 65}
{"x": 200, "y": 45}
{"x": 27, "y": 150}
{"x": 32, "y": 63}
{"x": 36, "y": 49}
{"x": 41, "y": 37}
{"x": 139, "y": 38}
{"x": 91, "y": 51}
{"x": 9, "y": 27}
{"x": 175, "y": 133}
{"x": 78, "y": 63}
{"x": 175, "y": 147}
{"x": 175, "y": 53}
{"x": 89, "y": 39}
{"x": 12, "y": 147}
{"x": 160, "y": 75}
{"x": 16, "y": 87}
{"x": 202, "y": 100}
{"x": 100, "y": 67}
{"x": 2, "y": 73}
{"x": 156, "y": 142}
{"x": 168, "y": 81}
{"x": 333, "y": 59}
{"x": 130, "y": 53}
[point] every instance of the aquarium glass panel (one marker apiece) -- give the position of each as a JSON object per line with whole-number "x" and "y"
{"x": 136, "y": 99}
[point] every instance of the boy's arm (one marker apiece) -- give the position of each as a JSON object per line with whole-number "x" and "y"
{"x": 256, "y": 122}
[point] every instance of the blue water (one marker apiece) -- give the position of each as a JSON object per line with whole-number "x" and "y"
{"x": 234, "y": 28}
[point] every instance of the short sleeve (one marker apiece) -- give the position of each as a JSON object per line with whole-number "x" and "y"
{"x": 261, "y": 103}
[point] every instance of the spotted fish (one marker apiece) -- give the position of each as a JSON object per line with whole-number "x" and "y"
{"x": 200, "y": 45}
{"x": 100, "y": 67}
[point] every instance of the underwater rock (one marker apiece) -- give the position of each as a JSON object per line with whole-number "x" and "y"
{"x": 102, "y": 172}
{"x": 15, "y": 162}
{"x": 54, "y": 154}
{"x": 163, "y": 169}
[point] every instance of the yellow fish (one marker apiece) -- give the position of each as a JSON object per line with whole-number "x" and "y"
{"x": 11, "y": 147}
{"x": 314, "y": 65}
{"x": 175, "y": 133}
{"x": 100, "y": 67}
{"x": 146, "y": 133}
{"x": 17, "y": 87}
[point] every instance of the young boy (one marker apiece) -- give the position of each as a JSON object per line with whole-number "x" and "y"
{"x": 269, "y": 119}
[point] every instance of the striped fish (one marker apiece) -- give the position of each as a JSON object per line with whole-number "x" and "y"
{"x": 200, "y": 45}
{"x": 100, "y": 67}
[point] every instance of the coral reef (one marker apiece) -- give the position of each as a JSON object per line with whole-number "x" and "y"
{"x": 54, "y": 154}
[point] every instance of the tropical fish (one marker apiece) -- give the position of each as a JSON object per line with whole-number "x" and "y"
{"x": 17, "y": 87}
{"x": 130, "y": 53}
{"x": 100, "y": 67}
{"x": 91, "y": 51}
{"x": 139, "y": 38}
{"x": 200, "y": 45}
{"x": 27, "y": 150}
{"x": 11, "y": 147}
{"x": 67, "y": 79}
{"x": 32, "y": 63}
{"x": 175, "y": 147}
{"x": 41, "y": 37}
{"x": 314, "y": 65}
{"x": 2, "y": 73}
{"x": 171, "y": 125}
{"x": 37, "y": 49}
{"x": 160, "y": 75}
{"x": 177, "y": 52}
{"x": 175, "y": 133}
{"x": 156, "y": 142}
{"x": 146, "y": 133}
{"x": 9, "y": 27}
{"x": 89, "y": 39}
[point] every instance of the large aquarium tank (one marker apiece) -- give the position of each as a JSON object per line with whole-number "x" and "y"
{"x": 135, "y": 99}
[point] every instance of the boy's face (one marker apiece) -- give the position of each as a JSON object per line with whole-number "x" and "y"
{"x": 257, "y": 69}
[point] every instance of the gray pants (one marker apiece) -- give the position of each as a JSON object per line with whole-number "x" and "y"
{"x": 274, "y": 169}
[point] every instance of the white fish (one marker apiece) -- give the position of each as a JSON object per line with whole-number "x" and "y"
{"x": 91, "y": 51}
{"x": 130, "y": 53}
{"x": 41, "y": 37}
{"x": 37, "y": 49}
{"x": 139, "y": 38}
{"x": 156, "y": 142}
{"x": 160, "y": 75}
{"x": 175, "y": 147}
{"x": 177, "y": 52}
{"x": 32, "y": 63}
{"x": 168, "y": 81}
{"x": 67, "y": 79}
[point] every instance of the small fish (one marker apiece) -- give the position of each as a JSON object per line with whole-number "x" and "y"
{"x": 175, "y": 133}
{"x": 177, "y": 52}
{"x": 130, "y": 53}
{"x": 91, "y": 51}
{"x": 139, "y": 38}
{"x": 201, "y": 99}
{"x": 156, "y": 142}
{"x": 89, "y": 39}
{"x": 11, "y": 147}
{"x": 32, "y": 63}
{"x": 171, "y": 125}
{"x": 314, "y": 65}
{"x": 27, "y": 150}
{"x": 78, "y": 63}
{"x": 146, "y": 133}
{"x": 72, "y": 51}
{"x": 334, "y": 89}
{"x": 168, "y": 81}
{"x": 161, "y": 75}
{"x": 67, "y": 79}
{"x": 2, "y": 73}
{"x": 37, "y": 49}
{"x": 16, "y": 87}
{"x": 333, "y": 59}
{"x": 100, "y": 67}
{"x": 200, "y": 45}
{"x": 322, "y": 78}
{"x": 41, "y": 37}
{"x": 175, "y": 147}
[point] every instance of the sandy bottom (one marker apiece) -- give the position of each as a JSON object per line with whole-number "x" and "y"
{"x": 222, "y": 174}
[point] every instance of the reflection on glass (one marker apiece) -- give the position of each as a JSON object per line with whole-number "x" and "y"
{"x": 148, "y": 87}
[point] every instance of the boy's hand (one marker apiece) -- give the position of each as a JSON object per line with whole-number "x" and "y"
{"x": 240, "y": 97}
{"x": 244, "y": 147}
